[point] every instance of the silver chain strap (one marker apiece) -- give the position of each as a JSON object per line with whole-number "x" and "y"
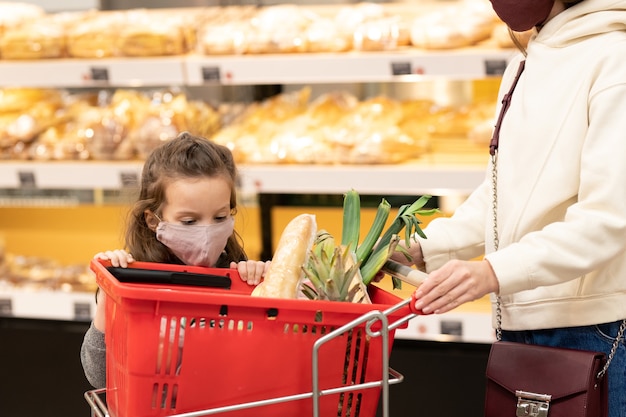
{"x": 496, "y": 238}
{"x": 620, "y": 333}
{"x": 496, "y": 244}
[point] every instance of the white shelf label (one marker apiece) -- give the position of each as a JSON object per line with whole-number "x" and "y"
{"x": 129, "y": 179}
{"x": 27, "y": 179}
{"x": 6, "y": 307}
{"x": 82, "y": 311}
{"x": 495, "y": 66}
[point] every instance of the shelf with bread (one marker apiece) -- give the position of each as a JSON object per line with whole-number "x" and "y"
{"x": 233, "y": 45}
{"x": 288, "y": 143}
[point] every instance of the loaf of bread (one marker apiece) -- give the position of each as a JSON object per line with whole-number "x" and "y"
{"x": 151, "y": 34}
{"x": 96, "y": 35}
{"x": 504, "y": 37}
{"x": 292, "y": 252}
{"x": 13, "y": 13}
{"x": 454, "y": 26}
{"x": 39, "y": 39}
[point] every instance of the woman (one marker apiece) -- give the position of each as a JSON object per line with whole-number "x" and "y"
{"x": 553, "y": 233}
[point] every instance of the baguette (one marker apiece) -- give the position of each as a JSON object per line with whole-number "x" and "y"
{"x": 285, "y": 272}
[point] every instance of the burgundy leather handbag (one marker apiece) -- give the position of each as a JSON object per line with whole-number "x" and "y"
{"x": 539, "y": 381}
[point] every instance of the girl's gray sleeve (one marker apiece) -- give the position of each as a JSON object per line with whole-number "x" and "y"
{"x": 93, "y": 357}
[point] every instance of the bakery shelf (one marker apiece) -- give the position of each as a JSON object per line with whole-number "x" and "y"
{"x": 69, "y": 175}
{"x": 46, "y": 304}
{"x": 399, "y": 179}
{"x": 193, "y": 70}
{"x": 397, "y": 66}
{"x": 86, "y": 73}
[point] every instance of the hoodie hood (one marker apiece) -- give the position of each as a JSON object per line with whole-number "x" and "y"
{"x": 590, "y": 17}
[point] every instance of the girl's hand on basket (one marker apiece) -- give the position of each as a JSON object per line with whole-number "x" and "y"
{"x": 455, "y": 283}
{"x": 118, "y": 257}
{"x": 251, "y": 271}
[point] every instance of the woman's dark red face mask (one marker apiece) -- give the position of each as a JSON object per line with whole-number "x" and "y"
{"x": 521, "y": 15}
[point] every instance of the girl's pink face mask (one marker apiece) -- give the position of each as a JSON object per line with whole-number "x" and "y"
{"x": 199, "y": 245}
{"x": 522, "y": 15}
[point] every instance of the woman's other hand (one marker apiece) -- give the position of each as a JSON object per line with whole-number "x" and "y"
{"x": 414, "y": 251}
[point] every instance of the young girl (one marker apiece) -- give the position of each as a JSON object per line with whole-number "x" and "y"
{"x": 184, "y": 215}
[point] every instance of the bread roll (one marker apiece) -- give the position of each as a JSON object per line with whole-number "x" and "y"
{"x": 285, "y": 272}
{"x": 502, "y": 36}
{"x": 43, "y": 38}
{"x": 96, "y": 35}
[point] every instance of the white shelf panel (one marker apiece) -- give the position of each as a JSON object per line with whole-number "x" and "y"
{"x": 401, "y": 179}
{"x": 76, "y": 73}
{"x": 310, "y": 68}
{"x": 69, "y": 175}
{"x": 468, "y": 327}
{"x": 51, "y": 305}
{"x": 409, "y": 65}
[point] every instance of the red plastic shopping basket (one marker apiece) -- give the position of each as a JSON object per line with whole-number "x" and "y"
{"x": 173, "y": 349}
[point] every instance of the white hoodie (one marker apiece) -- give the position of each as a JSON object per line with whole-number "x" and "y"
{"x": 561, "y": 179}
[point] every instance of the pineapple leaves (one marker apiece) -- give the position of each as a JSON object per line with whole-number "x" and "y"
{"x": 332, "y": 267}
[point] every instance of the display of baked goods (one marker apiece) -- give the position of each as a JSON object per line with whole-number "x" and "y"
{"x": 29, "y": 33}
{"x": 24, "y": 114}
{"x": 333, "y": 128}
{"x": 38, "y": 273}
{"x": 52, "y": 124}
{"x": 339, "y": 128}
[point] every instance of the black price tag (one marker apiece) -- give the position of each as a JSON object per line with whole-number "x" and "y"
{"x": 129, "y": 179}
{"x": 99, "y": 73}
{"x": 495, "y": 66}
{"x": 452, "y": 327}
{"x": 6, "y": 307}
{"x": 401, "y": 68}
{"x": 211, "y": 74}
{"x": 82, "y": 311}
{"x": 27, "y": 179}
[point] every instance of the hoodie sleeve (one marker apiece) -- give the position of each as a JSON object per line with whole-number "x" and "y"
{"x": 461, "y": 236}
{"x": 93, "y": 357}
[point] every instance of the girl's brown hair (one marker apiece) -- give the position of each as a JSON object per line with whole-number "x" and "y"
{"x": 185, "y": 156}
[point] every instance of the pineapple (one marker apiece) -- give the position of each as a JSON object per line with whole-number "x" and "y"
{"x": 341, "y": 272}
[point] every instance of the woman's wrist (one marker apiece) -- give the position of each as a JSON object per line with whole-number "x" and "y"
{"x": 416, "y": 253}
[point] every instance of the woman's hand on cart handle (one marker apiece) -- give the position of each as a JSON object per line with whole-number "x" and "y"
{"x": 455, "y": 283}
